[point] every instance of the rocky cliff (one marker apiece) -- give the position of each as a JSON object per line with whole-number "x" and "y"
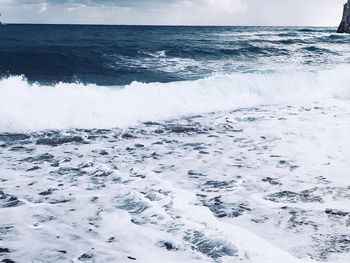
{"x": 344, "y": 26}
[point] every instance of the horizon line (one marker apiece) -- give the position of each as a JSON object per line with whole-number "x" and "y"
{"x": 158, "y": 25}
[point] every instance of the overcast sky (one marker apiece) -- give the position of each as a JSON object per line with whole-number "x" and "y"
{"x": 174, "y": 12}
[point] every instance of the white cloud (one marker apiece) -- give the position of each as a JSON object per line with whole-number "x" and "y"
{"x": 183, "y": 4}
{"x": 76, "y": 7}
{"x": 121, "y": 8}
{"x": 43, "y": 8}
{"x": 212, "y": 6}
{"x": 175, "y": 12}
{"x": 225, "y": 6}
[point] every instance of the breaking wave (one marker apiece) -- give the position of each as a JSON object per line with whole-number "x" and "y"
{"x": 30, "y": 107}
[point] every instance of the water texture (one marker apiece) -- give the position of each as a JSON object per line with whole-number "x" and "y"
{"x": 174, "y": 144}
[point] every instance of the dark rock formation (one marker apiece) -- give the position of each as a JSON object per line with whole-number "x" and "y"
{"x": 344, "y": 26}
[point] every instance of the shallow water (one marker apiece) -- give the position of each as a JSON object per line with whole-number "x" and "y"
{"x": 252, "y": 185}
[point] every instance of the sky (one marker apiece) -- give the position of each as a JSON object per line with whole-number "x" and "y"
{"x": 175, "y": 12}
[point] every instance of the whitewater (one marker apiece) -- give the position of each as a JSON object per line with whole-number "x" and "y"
{"x": 193, "y": 144}
{"x": 32, "y": 107}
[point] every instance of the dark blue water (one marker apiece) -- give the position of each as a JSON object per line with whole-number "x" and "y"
{"x": 118, "y": 55}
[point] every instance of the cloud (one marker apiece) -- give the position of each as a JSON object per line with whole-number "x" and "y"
{"x": 183, "y": 4}
{"x": 175, "y": 12}
{"x": 225, "y": 6}
{"x": 76, "y": 7}
{"x": 212, "y": 6}
{"x": 43, "y": 8}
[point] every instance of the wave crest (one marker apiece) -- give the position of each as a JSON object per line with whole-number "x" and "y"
{"x": 30, "y": 107}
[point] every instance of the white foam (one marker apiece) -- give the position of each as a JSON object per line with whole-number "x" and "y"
{"x": 96, "y": 197}
{"x": 31, "y": 107}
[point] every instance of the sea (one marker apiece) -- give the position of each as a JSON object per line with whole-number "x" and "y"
{"x": 174, "y": 144}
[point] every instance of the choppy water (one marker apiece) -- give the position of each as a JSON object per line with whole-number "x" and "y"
{"x": 174, "y": 144}
{"x": 118, "y": 55}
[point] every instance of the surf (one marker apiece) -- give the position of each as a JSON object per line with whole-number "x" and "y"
{"x": 32, "y": 106}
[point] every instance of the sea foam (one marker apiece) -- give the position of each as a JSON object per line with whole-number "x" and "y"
{"x": 31, "y": 107}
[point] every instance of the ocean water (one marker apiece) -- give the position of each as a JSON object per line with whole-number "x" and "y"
{"x": 174, "y": 144}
